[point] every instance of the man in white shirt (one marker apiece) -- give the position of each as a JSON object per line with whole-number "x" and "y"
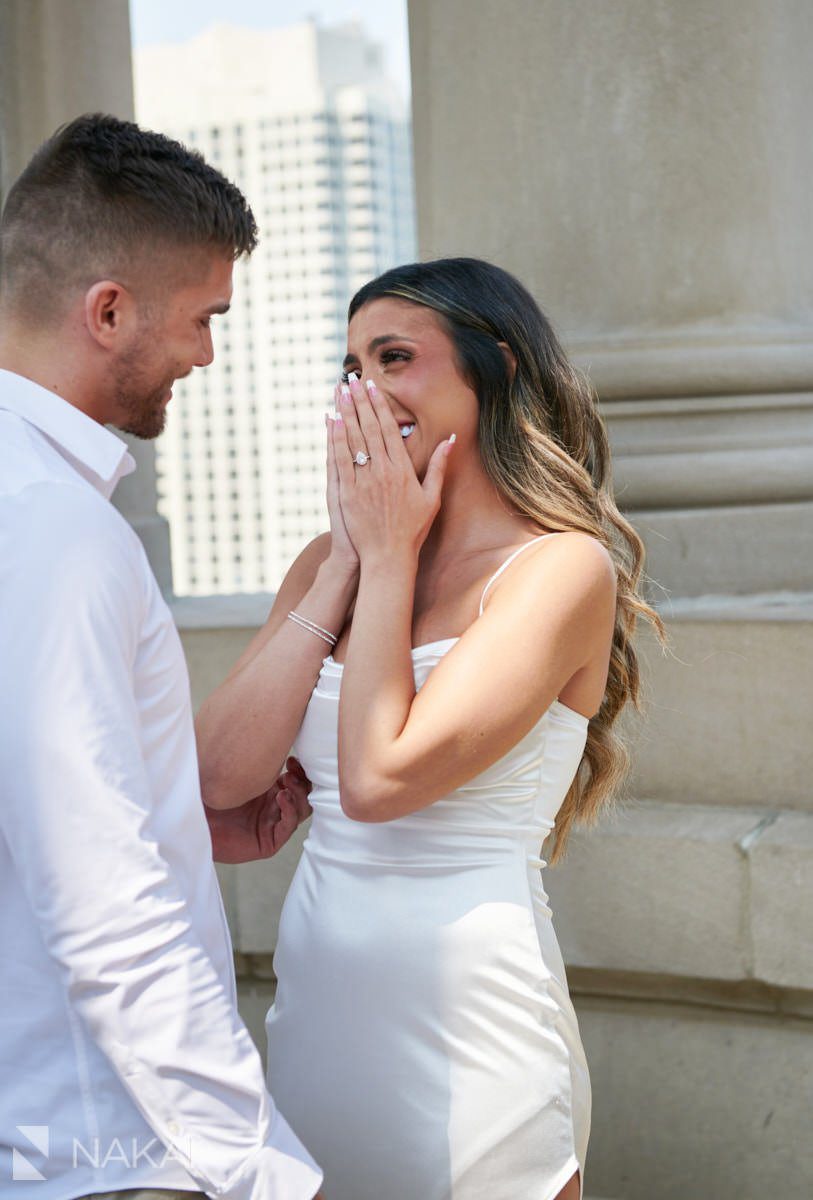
{"x": 123, "y": 1062}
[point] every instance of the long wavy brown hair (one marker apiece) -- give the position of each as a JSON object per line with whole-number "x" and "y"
{"x": 544, "y": 444}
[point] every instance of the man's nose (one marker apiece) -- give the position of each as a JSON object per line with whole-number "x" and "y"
{"x": 207, "y": 350}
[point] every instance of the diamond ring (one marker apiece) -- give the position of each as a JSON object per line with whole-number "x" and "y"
{"x": 361, "y": 459}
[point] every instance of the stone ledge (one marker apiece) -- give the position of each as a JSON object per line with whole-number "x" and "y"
{"x": 698, "y": 363}
{"x": 690, "y": 891}
{"x": 758, "y": 606}
{"x": 727, "y": 549}
{"x": 738, "y": 996}
{"x": 249, "y": 610}
{"x": 724, "y": 720}
{"x": 781, "y": 901}
{"x": 244, "y": 610}
{"x": 256, "y": 971}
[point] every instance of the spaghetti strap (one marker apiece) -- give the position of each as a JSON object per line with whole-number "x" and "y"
{"x": 508, "y": 562}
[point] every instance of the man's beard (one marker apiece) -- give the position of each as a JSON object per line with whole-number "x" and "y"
{"x": 142, "y": 403}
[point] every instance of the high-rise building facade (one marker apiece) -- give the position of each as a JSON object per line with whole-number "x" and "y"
{"x": 307, "y": 123}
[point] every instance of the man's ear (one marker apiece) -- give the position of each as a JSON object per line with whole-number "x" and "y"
{"x": 510, "y": 359}
{"x": 109, "y": 312}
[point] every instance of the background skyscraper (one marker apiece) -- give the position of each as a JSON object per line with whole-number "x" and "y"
{"x": 308, "y": 124}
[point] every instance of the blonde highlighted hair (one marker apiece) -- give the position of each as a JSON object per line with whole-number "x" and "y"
{"x": 544, "y": 445}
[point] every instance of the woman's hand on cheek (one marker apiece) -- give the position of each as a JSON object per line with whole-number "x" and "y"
{"x": 386, "y": 509}
{"x": 342, "y": 550}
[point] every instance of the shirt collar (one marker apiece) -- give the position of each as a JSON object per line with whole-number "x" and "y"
{"x": 98, "y": 455}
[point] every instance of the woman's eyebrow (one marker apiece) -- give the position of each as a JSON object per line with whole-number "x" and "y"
{"x": 378, "y": 342}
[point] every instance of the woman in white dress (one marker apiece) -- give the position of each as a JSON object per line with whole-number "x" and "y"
{"x": 422, "y": 1042}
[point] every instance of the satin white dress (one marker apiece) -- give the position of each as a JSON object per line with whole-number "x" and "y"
{"x": 422, "y": 1043}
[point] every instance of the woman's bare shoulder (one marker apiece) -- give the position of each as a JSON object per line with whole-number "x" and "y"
{"x": 573, "y": 567}
{"x": 578, "y": 554}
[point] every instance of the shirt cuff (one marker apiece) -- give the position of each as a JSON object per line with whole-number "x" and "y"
{"x": 281, "y": 1170}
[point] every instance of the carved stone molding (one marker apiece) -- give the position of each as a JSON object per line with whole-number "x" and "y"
{"x": 712, "y": 450}
{"x": 698, "y": 362}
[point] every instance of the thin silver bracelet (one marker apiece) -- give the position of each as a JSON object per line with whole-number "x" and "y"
{"x": 312, "y": 627}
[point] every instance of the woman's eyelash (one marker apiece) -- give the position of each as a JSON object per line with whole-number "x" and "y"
{"x": 386, "y": 357}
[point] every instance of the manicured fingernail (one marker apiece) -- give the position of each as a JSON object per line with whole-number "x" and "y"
{"x": 370, "y": 386}
{"x": 352, "y": 377}
{"x": 344, "y": 390}
{"x": 450, "y": 443}
{"x": 337, "y": 420}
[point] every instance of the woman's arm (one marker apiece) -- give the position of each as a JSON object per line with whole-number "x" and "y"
{"x": 398, "y": 750}
{"x": 552, "y": 614}
{"x": 246, "y": 727}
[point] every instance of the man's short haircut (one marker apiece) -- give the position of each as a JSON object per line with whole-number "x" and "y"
{"x": 104, "y": 199}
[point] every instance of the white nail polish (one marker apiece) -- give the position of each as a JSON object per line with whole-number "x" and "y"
{"x": 352, "y": 377}
{"x": 453, "y": 439}
{"x": 370, "y": 385}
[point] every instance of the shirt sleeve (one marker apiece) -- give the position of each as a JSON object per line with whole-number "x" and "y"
{"x": 76, "y": 816}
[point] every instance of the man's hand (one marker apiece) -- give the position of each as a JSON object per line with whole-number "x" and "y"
{"x": 262, "y": 826}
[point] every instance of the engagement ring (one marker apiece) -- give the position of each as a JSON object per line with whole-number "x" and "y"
{"x": 361, "y": 459}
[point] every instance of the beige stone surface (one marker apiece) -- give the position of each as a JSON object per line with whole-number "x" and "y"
{"x": 733, "y": 549}
{"x": 645, "y": 168}
{"x": 717, "y": 449}
{"x": 691, "y": 1103}
{"x": 781, "y": 901}
{"x": 210, "y": 655}
{"x": 675, "y": 890}
{"x": 260, "y": 890}
{"x": 728, "y": 712}
{"x": 660, "y": 888}
{"x": 58, "y": 60}
{"x": 254, "y": 1000}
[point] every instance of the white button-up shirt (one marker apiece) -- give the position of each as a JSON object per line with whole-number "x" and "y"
{"x": 123, "y": 1061}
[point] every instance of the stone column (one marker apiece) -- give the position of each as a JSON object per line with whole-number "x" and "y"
{"x": 646, "y": 167}
{"x": 60, "y": 58}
